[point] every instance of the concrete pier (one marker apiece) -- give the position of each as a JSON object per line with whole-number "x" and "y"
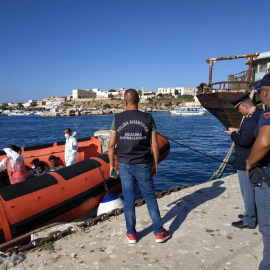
{"x": 199, "y": 219}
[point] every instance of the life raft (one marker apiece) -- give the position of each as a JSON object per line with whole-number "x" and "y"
{"x": 60, "y": 196}
{"x": 87, "y": 148}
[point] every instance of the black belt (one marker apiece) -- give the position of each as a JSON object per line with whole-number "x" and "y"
{"x": 256, "y": 172}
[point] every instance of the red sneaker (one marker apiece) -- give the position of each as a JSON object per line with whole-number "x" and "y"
{"x": 162, "y": 237}
{"x": 131, "y": 238}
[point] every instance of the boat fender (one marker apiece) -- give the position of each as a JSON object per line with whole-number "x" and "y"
{"x": 109, "y": 203}
{"x": 103, "y": 136}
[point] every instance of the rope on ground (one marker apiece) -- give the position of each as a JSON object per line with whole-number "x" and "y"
{"x": 30, "y": 233}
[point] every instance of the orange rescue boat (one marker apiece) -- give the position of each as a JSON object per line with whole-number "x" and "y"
{"x": 60, "y": 196}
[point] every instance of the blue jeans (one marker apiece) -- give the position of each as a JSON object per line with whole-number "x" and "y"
{"x": 129, "y": 173}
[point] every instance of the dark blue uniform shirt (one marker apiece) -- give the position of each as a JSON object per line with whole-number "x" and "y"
{"x": 244, "y": 139}
{"x": 264, "y": 121}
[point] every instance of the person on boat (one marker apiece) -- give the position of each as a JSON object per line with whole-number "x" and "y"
{"x": 34, "y": 162}
{"x": 259, "y": 159}
{"x": 54, "y": 163}
{"x": 133, "y": 133}
{"x": 71, "y": 147}
{"x": 244, "y": 139}
{"x": 41, "y": 169}
{"x": 14, "y": 164}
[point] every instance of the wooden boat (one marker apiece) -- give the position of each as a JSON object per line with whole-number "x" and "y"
{"x": 188, "y": 111}
{"x": 215, "y": 96}
{"x": 60, "y": 196}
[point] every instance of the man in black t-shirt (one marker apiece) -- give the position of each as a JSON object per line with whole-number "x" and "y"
{"x": 134, "y": 132}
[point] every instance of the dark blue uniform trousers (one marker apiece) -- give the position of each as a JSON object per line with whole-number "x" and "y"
{"x": 248, "y": 194}
{"x": 262, "y": 199}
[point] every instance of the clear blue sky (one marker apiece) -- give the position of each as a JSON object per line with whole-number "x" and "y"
{"x": 49, "y": 47}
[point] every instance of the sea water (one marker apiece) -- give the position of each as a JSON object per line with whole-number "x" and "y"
{"x": 182, "y": 166}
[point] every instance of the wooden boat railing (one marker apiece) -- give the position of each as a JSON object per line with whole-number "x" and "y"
{"x": 241, "y": 84}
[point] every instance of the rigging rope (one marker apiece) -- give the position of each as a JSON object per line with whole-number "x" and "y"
{"x": 104, "y": 180}
{"x": 197, "y": 151}
{"x": 222, "y": 166}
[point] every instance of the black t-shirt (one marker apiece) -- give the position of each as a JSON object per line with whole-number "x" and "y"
{"x": 133, "y": 132}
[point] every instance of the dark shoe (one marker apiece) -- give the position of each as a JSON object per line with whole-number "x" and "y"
{"x": 240, "y": 216}
{"x": 240, "y": 224}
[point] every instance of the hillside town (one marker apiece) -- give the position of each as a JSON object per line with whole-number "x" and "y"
{"x": 95, "y": 101}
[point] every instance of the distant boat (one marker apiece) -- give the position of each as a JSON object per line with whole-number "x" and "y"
{"x": 16, "y": 114}
{"x": 186, "y": 111}
{"x": 29, "y": 113}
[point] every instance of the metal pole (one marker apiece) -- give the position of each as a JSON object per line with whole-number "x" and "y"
{"x": 210, "y": 71}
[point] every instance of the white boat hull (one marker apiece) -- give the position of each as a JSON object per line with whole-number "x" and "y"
{"x": 187, "y": 113}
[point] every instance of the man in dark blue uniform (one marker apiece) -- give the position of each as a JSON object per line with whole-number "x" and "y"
{"x": 259, "y": 159}
{"x": 244, "y": 139}
{"x": 134, "y": 132}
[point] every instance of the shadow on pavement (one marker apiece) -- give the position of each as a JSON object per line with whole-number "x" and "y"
{"x": 184, "y": 205}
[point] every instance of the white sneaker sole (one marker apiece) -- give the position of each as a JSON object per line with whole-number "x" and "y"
{"x": 163, "y": 240}
{"x": 131, "y": 241}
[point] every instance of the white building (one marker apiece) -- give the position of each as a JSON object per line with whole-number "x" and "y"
{"x": 175, "y": 91}
{"x": 88, "y": 93}
{"x": 100, "y": 94}
{"x": 112, "y": 94}
{"x": 11, "y": 104}
{"x": 30, "y": 103}
{"x": 147, "y": 94}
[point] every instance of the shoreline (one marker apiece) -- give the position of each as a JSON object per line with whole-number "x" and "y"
{"x": 97, "y": 106}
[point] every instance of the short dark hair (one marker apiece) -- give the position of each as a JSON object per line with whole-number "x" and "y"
{"x": 40, "y": 164}
{"x": 35, "y": 161}
{"x": 52, "y": 157}
{"x": 68, "y": 129}
{"x": 131, "y": 96}
{"x": 15, "y": 148}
